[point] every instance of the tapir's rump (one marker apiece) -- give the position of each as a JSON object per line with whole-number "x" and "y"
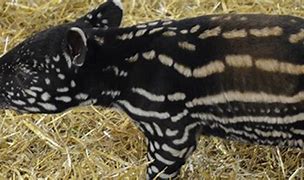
{"x": 234, "y": 76}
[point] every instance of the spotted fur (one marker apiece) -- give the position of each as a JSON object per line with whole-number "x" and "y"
{"x": 233, "y": 76}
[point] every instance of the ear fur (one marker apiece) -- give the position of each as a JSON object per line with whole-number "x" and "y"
{"x": 77, "y": 46}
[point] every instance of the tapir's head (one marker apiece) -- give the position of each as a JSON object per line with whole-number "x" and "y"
{"x": 41, "y": 75}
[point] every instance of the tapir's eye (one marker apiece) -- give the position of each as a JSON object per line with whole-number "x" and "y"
{"x": 21, "y": 78}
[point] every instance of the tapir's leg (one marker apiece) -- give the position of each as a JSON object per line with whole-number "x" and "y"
{"x": 168, "y": 149}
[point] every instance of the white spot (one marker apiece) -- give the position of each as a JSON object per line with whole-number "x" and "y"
{"x": 73, "y": 84}
{"x": 56, "y": 58}
{"x": 62, "y": 90}
{"x": 169, "y": 34}
{"x": 195, "y": 29}
{"x": 167, "y": 176}
{"x": 30, "y": 92}
{"x": 149, "y": 55}
{"x": 184, "y": 31}
{"x": 47, "y": 106}
{"x": 45, "y": 96}
{"x": 211, "y": 33}
{"x": 140, "y": 26}
{"x": 186, "y": 45}
{"x": 166, "y": 60}
{"x": 68, "y": 59}
{"x": 36, "y": 89}
{"x": 88, "y": 102}
{"x": 65, "y": 99}
{"x": 153, "y": 23}
{"x": 31, "y": 109}
{"x": 82, "y": 96}
{"x": 154, "y": 169}
{"x": 61, "y": 76}
{"x": 100, "y": 40}
{"x": 167, "y": 23}
{"x": 19, "y": 102}
{"x": 90, "y": 16}
{"x": 185, "y": 71}
{"x": 133, "y": 58}
{"x": 177, "y": 96}
{"x": 47, "y": 81}
{"x": 140, "y": 32}
{"x": 105, "y": 21}
{"x": 235, "y": 34}
{"x": 156, "y": 145}
{"x": 295, "y": 38}
{"x": 31, "y": 100}
{"x": 99, "y": 15}
{"x": 112, "y": 93}
{"x": 156, "y": 30}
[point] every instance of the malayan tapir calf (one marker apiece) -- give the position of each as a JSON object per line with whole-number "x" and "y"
{"x": 233, "y": 76}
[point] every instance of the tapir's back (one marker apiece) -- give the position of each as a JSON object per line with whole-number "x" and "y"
{"x": 240, "y": 76}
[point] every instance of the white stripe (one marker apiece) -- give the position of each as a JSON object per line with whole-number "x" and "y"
{"x": 213, "y": 67}
{"x": 158, "y": 130}
{"x": 273, "y": 133}
{"x": 179, "y": 116}
{"x": 172, "y": 151}
{"x": 235, "y": 132}
{"x": 179, "y": 96}
{"x": 163, "y": 160}
{"x": 186, "y": 134}
{"x": 140, "y": 112}
{"x": 167, "y": 176}
{"x": 170, "y": 132}
{"x": 255, "y": 119}
{"x": 250, "y": 97}
{"x": 273, "y": 65}
{"x": 148, "y": 95}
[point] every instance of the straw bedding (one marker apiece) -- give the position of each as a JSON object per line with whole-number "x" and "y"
{"x": 96, "y": 143}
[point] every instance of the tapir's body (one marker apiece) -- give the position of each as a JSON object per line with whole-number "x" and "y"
{"x": 234, "y": 76}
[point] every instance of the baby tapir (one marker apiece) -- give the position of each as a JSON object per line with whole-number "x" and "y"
{"x": 237, "y": 77}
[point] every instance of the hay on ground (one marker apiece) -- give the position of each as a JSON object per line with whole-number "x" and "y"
{"x": 100, "y": 143}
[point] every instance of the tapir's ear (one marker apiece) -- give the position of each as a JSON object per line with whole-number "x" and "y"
{"x": 106, "y": 15}
{"x": 77, "y": 46}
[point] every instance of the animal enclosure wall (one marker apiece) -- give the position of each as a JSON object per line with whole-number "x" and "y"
{"x": 92, "y": 142}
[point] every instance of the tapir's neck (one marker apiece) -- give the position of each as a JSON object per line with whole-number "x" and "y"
{"x": 116, "y": 52}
